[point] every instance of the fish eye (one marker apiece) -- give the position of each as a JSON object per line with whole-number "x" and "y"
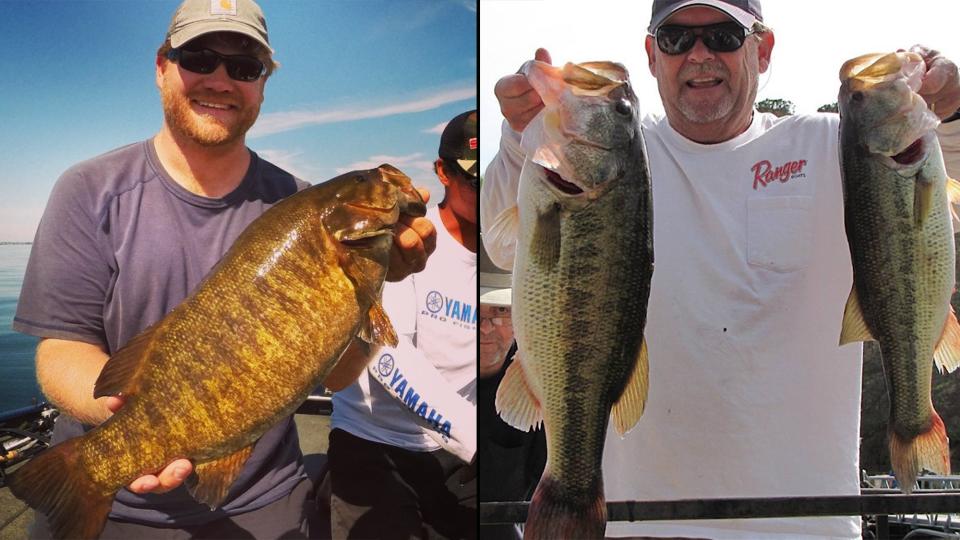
{"x": 857, "y": 96}
{"x": 623, "y": 107}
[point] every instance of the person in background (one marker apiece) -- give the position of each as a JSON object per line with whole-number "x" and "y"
{"x": 510, "y": 461}
{"x": 128, "y": 235}
{"x": 750, "y": 395}
{"x": 403, "y": 437}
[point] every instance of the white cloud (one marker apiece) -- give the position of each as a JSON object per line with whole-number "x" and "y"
{"x": 438, "y": 129}
{"x": 409, "y": 163}
{"x": 471, "y": 5}
{"x": 289, "y": 161}
{"x": 278, "y": 122}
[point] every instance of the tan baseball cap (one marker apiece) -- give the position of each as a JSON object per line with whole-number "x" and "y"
{"x": 195, "y": 18}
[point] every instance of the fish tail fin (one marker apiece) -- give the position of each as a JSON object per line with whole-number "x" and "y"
{"x": 58, "y": 486}
{"x": 553, "y": 513}
{"x": 929, "y": 450}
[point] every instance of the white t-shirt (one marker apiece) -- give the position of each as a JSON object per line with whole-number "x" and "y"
{"x": 435, "y": 315}
{"x": 750, "y": 394}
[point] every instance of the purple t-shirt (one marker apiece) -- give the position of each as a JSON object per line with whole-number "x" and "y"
{"x": 121, "y": 244}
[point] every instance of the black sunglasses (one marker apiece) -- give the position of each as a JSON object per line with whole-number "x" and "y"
{"x": 240, "y": 67}
{"x": 720, "y": 37}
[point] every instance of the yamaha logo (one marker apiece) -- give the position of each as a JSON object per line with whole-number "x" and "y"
{"x": 385, "y": 365}
{"x": 434, "y": 301}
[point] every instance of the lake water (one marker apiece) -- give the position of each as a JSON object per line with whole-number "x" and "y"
{"x": 18, "y": 384}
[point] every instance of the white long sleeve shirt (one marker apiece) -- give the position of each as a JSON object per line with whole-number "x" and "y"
{"x": 750, "y": 395}
{"x": 422, "y": 394}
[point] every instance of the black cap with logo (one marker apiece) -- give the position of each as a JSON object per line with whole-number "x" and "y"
{"x": 458, "y": 144}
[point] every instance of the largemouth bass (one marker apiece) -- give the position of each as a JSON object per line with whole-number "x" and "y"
{"x": 262, "y": 330}
{"x": 581, "y": 280}
{"x": 898, "y": 223}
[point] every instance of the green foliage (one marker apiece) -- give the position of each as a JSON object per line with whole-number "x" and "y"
{"x": 830, "y": 107}
{"x": 779, "y": 107}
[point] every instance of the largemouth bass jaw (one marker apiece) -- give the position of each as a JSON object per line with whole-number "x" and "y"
{"x": 573, "y": 192}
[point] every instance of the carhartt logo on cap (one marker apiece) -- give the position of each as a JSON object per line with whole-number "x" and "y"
{"x": 473, "y": 143}
{"x": 223, "y": 7}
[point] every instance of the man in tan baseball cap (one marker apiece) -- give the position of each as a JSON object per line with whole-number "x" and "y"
{"x": 114, "y": 255}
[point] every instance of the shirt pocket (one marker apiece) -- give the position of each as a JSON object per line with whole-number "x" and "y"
{"x": 779, "y": 232}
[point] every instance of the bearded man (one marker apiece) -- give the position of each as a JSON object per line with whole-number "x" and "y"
{"x": 128, "y": 235}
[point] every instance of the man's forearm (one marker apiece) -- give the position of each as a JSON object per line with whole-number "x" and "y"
{"x": 350, "y": 366}
{"x": 67, "y": 372}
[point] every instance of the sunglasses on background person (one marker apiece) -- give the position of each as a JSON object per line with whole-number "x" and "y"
{"x": 721, "y": 37}
{"x": 240, "y": 67}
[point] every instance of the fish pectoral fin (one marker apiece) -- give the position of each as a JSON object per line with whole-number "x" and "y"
{"x": 629, "y": 407}
{"x": 121, "y": 374}
{"x": 947, "y": 355}
{"x": 515, "y": 400}
{"x": 854, "y": 327}
{"x": 922, "y": 199}
{"x": 212, "y": 479}
{"x": 377, "y": 328}
{"x": 545, "y": 241}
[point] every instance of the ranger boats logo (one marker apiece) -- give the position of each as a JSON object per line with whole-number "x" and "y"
{"x": 461, "y": 314}
{"x": 393, "y": 378}
{"x": 765, "y": 172}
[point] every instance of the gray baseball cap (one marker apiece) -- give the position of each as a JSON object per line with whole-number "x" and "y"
{"x": 745, "y": 12}
{"x": 195, "y": 18}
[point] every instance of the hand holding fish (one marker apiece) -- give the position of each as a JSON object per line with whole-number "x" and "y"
{"x": 519, "y": 102}
{"x": 415, "y": 240}
{"x": 941, "y": 83}
{"x": 169, "y": 478}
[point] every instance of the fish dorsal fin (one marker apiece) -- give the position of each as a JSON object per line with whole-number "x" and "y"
{"x": 121, "y": 374}
{"x": 629, "y": 408}
{"x": 213, "y": 479}
{"x": 854, "y": 327}
{"x": 377, "y": 329}
{"x": 947, "y": 355}
{"x": 515, "y": 400}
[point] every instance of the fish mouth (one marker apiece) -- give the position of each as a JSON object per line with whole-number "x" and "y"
{"x": 558, "y": 182}
{"x": 912, "y": 154}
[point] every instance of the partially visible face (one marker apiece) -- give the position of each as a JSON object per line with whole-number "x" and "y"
{"x": 705, "y": 92}
{"x": 461, "y": 196}
{"x": 210, "y": 109}
{"x": 494, "y": 340}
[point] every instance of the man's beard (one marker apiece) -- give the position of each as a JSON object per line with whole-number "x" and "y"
{"x": 700, "y": 112}
{"x": 203, "y": 129}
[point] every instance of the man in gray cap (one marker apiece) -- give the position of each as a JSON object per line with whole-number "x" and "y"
{"x": 128, "y": 235}
{"x": 750, "y": 396}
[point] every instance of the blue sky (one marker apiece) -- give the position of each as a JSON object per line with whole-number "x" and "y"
{"x": 361, "y": 82}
